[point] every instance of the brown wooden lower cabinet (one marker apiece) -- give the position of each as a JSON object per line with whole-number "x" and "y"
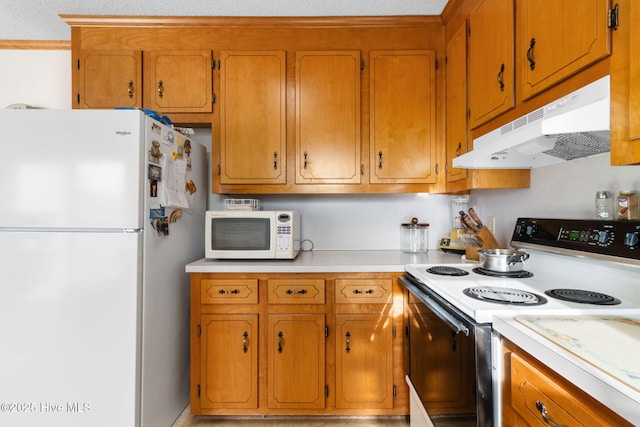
{"x": 534, "y": 395}
{"x": 297, "y": 344}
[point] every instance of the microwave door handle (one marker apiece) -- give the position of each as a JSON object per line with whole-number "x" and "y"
{"x": 439, "y": 311}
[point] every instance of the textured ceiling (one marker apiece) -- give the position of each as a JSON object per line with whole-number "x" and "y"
{"x": 39, "y": 20}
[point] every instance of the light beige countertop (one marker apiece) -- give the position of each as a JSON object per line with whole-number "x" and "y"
{"x": 327, "y": 261}
{"x": 597, "y": 353}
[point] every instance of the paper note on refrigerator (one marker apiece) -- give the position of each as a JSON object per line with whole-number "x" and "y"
{"x": 174, "y": 176}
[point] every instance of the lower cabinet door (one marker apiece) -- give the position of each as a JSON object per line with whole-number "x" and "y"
{"x": 364, "y": 361}
{"x": 229, "y": 370}
{"x": 296, "y": 361}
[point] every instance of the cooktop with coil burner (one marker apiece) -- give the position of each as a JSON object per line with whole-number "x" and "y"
{"x": 505, "y": 295}
{"x": 582, "y": 296}
{"x": 521, "y": 274}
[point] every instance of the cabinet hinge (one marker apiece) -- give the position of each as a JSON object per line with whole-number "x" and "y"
{"x": 326, "y": 391}
{"x": 361, "y": 64}
{"x": 362, "y": 169}
{"x": 199, "y": 330}
{"x": 395, "y": 391}
{"x": 215, "y": 64}
{"x": 326, "y": 331}
{"x": 613, "y": 17}
{"x": 393, "y": 331}
{"x": 406, "y": 331}
{"x": 446, "y": 167}
{"x": 446, "y": 61}
{"x": 437, "y": 63}
{"x": 469, "y": 31}
{"x": 198, "y": 390}
{"x": 213, "y": 98}
{"x": 78, "y": 99}
{"x": 437, "y": 169}
{"x": 469, "y": 113}
{"x": 78, "y": 64}
{"x": 219, "y": 171}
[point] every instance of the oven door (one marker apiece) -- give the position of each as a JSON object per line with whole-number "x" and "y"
{"x": 449, "y": 363}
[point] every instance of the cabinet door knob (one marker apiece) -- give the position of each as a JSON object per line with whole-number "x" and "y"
{"x": 532, "y": 62}
{"x": 501, "y": 77}
{"x": 244, "y": 341}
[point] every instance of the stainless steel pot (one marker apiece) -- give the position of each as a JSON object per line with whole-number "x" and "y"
{"x": 502, "y": 260}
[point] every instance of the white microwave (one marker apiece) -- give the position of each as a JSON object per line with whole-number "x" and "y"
{"x": 252, "y": 234}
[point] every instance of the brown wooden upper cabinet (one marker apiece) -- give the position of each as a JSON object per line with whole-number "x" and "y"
{"x": 164, "y": 81}
{"x": 402, "y": 117}
{"x": 178, "y": 81}
{"x": 456, "y": 103}
{"x": 252, "y": 119}
{"x": 625, "y": 87}
{"x": 491, "y": 60}
{"x": 328, "y": 117}
{"x": 108, "y": 79}
{"x": 556, "y": 39}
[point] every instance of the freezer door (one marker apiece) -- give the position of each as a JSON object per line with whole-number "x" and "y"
{"x": 70, "y": 316}
{"x": 71, "y": 168}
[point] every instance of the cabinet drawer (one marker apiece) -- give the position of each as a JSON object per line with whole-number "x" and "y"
{"x": 229, "y": 291}
{"x": 534, "y": 392}
{"x": 363, "y": 291}
{"x": 296, "y": 291}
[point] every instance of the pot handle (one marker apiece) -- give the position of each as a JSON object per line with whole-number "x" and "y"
{"x": 520, "y": 258}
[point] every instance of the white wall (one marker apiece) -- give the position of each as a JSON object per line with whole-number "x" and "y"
{"x": 359, "y": 221}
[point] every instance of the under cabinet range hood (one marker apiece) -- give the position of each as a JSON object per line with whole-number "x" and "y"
{"x": 574, "y": 126}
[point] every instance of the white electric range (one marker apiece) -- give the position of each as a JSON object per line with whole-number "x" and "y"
{"x": 598, "y": 262}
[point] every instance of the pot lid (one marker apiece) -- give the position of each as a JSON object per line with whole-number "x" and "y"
{"x": 415, "y": 224}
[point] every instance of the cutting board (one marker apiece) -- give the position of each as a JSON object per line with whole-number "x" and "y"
{"x": 609, "y": 343}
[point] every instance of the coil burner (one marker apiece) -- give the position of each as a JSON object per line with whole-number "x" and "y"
{"x": 582, "y": 296}
{"x": 504, "y": 295}
{"x": 444, "y": 270}
{"x": 521, "y": 274}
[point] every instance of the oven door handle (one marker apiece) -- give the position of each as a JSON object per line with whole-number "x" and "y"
{"x": 439, "y": 311}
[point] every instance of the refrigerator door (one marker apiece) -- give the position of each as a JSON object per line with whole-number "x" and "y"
{"x": 71, "y": 168}
{"x": 166, "y": 291}
{"x": 69, "y": 310}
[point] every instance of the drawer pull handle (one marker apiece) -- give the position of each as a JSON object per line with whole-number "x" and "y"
{"x": 280, "y": 342}
{"x": 543, "y": 411}
{"x": 300, "y": 292}
{"x": 160, "y": 89}
{"x": 224, "y": 292}
{"x": 244, "y": 341}
{"x": 358, "y": 292}
{"x": 348, "y": 336}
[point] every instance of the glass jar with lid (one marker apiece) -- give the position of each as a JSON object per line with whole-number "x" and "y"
{"x": 414, "y": 236}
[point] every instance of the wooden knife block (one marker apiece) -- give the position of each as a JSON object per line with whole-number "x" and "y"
{"x": 488, "y": 242}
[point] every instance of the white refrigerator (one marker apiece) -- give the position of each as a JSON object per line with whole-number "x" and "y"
{"x": 99, "y": 213}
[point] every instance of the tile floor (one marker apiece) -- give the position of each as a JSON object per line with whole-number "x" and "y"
{"x": 188, "y": 420}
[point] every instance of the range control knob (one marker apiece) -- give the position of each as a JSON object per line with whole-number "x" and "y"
{"x": 631, "y": 240}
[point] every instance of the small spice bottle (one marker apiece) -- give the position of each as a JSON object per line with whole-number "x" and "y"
{"x": 628, "y": 205}
{"x": 604, "y": 205}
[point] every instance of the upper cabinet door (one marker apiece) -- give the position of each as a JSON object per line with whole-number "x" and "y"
{"x": 328, "y": 117}
{"x": 253, "y": 119}
{"x": 403, "y": 117}
{"x": 456, "y": 102}
{"x": 491, "y": 60}
{"x": 556, "y": 39}
{"x": 625, "y": 87}
{"x": 108, "y": 79}
{"x": 178, "y": 81}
